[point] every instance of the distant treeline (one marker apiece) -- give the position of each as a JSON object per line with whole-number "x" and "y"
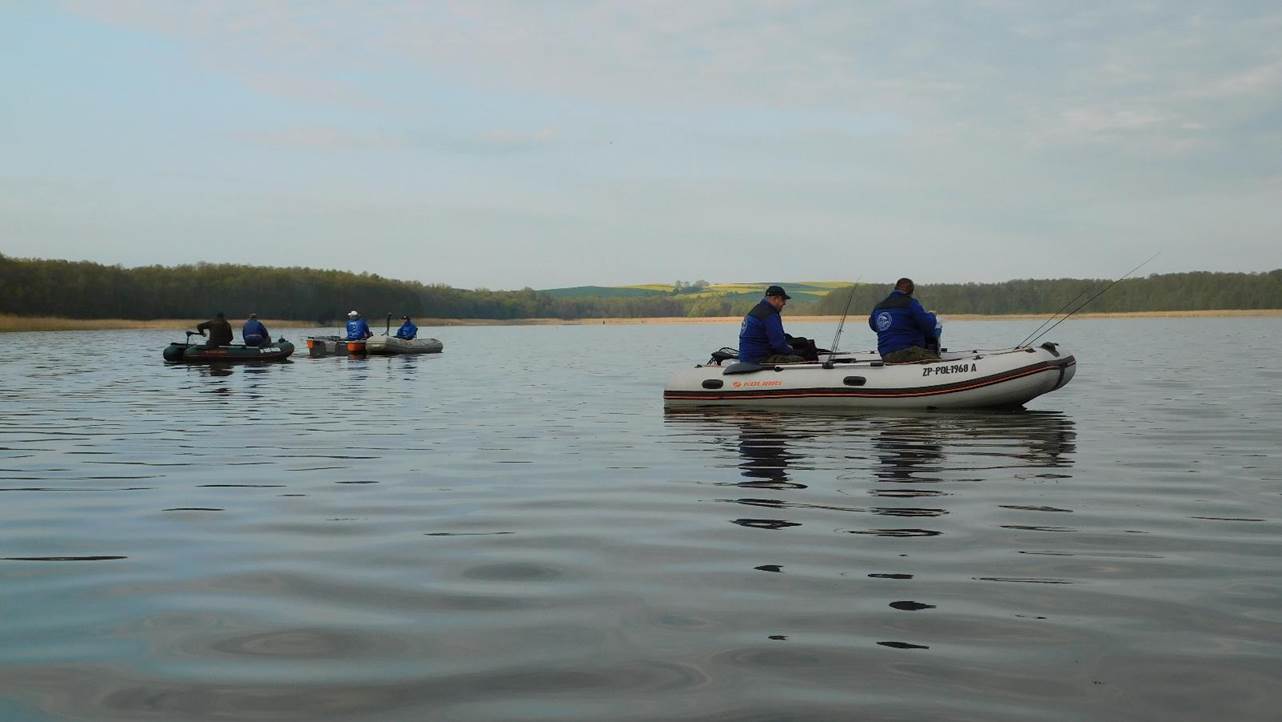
{"x": 1195, "y": 291}
{"x": 81, "y": 289}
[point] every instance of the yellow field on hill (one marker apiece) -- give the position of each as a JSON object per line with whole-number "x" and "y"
{"x": 813, "y": 289}
{"x": 660, "y": 287}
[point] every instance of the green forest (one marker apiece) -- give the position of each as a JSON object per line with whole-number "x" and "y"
{"x": 86, "y": 290}
{"x": 1194, "y": 291}
{"x": 82, "y": 289}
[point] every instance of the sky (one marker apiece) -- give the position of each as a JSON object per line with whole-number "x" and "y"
{"x": 493, "y": 144}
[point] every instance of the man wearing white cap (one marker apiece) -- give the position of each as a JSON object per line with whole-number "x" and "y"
{"x": 357, "y": 329}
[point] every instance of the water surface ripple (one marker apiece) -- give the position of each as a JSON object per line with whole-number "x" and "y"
{"x": 516, "y": 529}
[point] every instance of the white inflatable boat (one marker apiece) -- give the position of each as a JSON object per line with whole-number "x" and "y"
{"x": 959, "y": 380}
{"x": 383, "y": 344}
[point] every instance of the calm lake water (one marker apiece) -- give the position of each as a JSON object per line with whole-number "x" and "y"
{"x": 516, "y": 530}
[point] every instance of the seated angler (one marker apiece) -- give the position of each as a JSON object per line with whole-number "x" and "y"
{"x": 408, "y": 330}
{"x": 761, "y": 336}
{"x": 254, "y": 332}
{"x": 357, "y": 329}
{"x": 905, "y": 331}
{"x": 219, "y": 330}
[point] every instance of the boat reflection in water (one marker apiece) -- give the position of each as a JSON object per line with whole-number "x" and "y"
{"x": 921, "y": 458}
{"x": 765, "y": 457}
{"x": 894, "y": 448}
{"x": 893, "y": 529}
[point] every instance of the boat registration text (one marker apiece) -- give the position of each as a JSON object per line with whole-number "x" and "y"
{"x": 949, "y": 369}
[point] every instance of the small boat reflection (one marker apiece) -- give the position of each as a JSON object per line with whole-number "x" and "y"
{"x": 214, "y": 368}
{"x": 895, "y": 457}
{"x": 903, "y": 447}
{"x": 765, "y": 457}
{"x": 872, "y": 494}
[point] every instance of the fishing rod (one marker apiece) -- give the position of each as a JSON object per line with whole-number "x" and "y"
{"x": 1092, "y": 298}
{"x": 832, "y": 351}
{"x": 1052, "y": 317}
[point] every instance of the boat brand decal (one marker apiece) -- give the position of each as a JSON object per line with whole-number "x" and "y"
{"x": 949, "y": 369}
{"x": 269, "y": 349}
{"x": 755, "y": 384}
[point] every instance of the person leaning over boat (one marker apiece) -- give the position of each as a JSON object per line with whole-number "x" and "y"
{"x": 219, "y": 330}
{"x": 408, "y": 330}
{"x": 254, "y": 332}
{"x": 904, "y": 329}
{"x": 357, "y": 329}
{"x": 761, "y": 336}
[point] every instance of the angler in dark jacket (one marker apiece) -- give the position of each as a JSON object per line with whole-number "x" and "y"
{"x": 905, "y": 330}
{"x": 254, "y": 332}
{"x": 408, "y": 330}
{"x": 219, "y": 330}
{"x": 761, "y": 336}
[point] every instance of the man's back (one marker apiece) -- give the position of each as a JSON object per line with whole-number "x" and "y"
{"x": 253, "y": 327}
{"x": 900, "y": 322}
{"x": 755, "y": 331}
{"x": 219, "y": 331}
{"x": 357, "y": 330}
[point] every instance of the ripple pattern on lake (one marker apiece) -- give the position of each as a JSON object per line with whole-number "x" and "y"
{"x": 516, "y": 529}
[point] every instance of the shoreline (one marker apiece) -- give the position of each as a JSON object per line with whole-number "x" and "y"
{"x": 677, "y": 320}
{"x": 10, "y": 323}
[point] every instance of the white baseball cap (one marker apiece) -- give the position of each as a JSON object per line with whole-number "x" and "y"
{"x": 352, "y": 314}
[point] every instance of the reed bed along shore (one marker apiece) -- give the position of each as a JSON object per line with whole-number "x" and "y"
{"x": 11, "y": 323}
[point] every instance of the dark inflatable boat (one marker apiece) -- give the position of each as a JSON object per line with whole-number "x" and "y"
{"x": 193, "y": 353}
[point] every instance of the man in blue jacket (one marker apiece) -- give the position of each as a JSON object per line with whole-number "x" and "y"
{"x": 254, "y": 332}
{"x": 407, "y": 330}
{"x": 904, "y": 329}
{"x": 761, "y": 336}
{"x": 357, "y": 329}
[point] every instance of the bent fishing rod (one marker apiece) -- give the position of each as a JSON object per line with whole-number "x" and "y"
{"x": 1032, "y": 338}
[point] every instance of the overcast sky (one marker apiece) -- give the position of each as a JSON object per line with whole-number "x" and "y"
{"x": 509, "y": 144}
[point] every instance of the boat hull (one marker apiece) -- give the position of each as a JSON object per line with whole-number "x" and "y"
{"x": 393, "y": 345}
{"x": 975, "y": 380}
{"x": 199, "y": 353}
{"x": 330, "y": 346}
